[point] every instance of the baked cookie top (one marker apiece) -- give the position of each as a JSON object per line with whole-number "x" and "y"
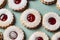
{"x": 49, "y": 0}
{"x": 30, "y": 18}
{"x": 56, "y": 36}
{"x": 6, "y": 17}
{"x": 51, "y": 21}
{"x": 13, "y": 33}
{"x": 17, "y": 4}
{"x": 39, "y": 36}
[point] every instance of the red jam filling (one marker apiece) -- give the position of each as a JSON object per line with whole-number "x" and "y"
{"x": 3, "y": 17}
{"x": 30, "y": 17}
{"x": 13, "y": 35}
{"x": 17, "y": 1}
{"x": 39, "y": 38}
{"x": 52, "y": 20}
{"x": 58, "y": 38}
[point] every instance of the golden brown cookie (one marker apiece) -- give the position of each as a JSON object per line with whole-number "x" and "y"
{"x": 48, "y": 2}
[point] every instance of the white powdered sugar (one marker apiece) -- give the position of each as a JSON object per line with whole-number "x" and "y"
{"x": 38, "y": 34}
{"x": 19, "y": 6}
{"x": 9, "y": 17}
{"x": 49, "y": 0}
{"x": 16, "y": 29}
{"x": 47, "y": 25}
{"x": 1, "y": 2}
{"x": 28, "y": 24}
{"x": 56, "y": 36}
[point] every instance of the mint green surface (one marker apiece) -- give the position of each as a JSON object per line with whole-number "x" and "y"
{"x": 43, "y": 9}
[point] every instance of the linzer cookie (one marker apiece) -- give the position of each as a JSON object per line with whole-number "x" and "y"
{"x": 39, "y": 36}
{"x": 51, "y": 21}
{"x": 58, "y": 4}
{"x": 17, "y": 5}
{"x": 2, "y": 3}
{"x": 56, "y": 36}
{"x": 48, "y": 2}
{"x": 6, "y": 18}
{"x": 30, "y": 18}
{"x": 13, "y": 33}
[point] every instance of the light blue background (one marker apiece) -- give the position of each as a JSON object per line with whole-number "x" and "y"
{"x": 43, "y": 9}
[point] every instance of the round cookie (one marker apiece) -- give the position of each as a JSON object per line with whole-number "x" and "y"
{"x": 6, "y": 18}
{"x": 56, "y": 36}
{"x": 48, "y": 2}
{"x": 30, "y": 18}
{"x": 13, "y": 33}
{"x": 2, "y": 3}
{"x": 51, "y": 21}
{"x": 17, "y": 5}
{"x": 39, "y": 36}
{"x": 58, "y": 4}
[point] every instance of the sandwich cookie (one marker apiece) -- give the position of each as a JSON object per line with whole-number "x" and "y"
{"x": 6, "y": 18}
{"x": 17, "y": 5}
{"x": 51, "y": 21}
{"x": 58, "y": 4}
{"x": 56, "y": 36}
{"x": 13, "y": 33}
{"x": 30, "y": 18}
{"x": 39, "y": 36}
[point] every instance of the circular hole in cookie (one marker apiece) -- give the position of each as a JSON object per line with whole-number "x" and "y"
{"x": 30, "y": 17}
{"x": 39, "y": 38}
{"x": 52, "y": 20}
{"x": 17, "y": 1}
{"x": 3, "y": 17}
{"x": 58, "y": 38}
{"x": 13, "y": 35}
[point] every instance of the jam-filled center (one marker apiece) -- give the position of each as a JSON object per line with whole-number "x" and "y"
{"x": 39, "y": 38}
{"x": 13, "y": 35}
{"x": 58, "y": 38}
{"x": 52, "y": 20}
{"x": 30, "y": 17}
{"x": 17, "y": 1}
{"x": 3, "y": 17}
